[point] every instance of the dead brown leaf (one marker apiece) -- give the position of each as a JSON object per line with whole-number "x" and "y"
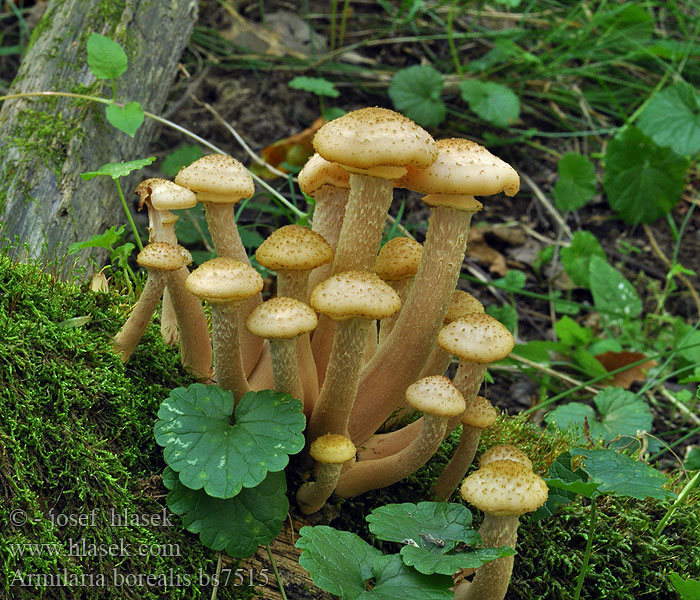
{"x": 616, "y": 360}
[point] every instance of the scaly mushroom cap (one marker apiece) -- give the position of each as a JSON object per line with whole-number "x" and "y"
{"x": 318, "y": 172}
{"x": 355, "y": 294}
{"x": 462, "y": 167}
{"x": 477, "y": 338}
{"x": 480, "y": 414}
{"x": 217, "y": 178}
{"x": 332, "y": 448}
{"x": 222, "y": 280}
{"x": 462, "y": 304}
{"x": 505, "y": 488}
{"x": 281, "y": 318}
{"x": 377, "y": 141}
{"x": 504, "y": 452}
{"x": 398, "y": 259}
{"x": 161, "y": 256}
{"x": 435, "y": 395}
{"x": 294, "y": 248}
{"x": 164, "y": 194}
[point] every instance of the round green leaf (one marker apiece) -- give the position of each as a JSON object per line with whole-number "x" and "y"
{"x": 236, "y": 525}
{"x": 672, "y": 118}
{"x": 493, "y": 102}
{"x": 643, "y": 182}
{"x": 427, "y": 562}
{"x": 611, "y": 290}
{"x": 576, "y": 184}
{"x": 194, "y": 427}
{"x": 415, "y": 91}
{"x": 315, "y": 85}
{"x": 127, "y": 118}
{"x": 105, "y": 57}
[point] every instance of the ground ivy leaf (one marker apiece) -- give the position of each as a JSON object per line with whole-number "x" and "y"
{"x": 434, "y": 526}
{"x": 493, "y": 102}
{"x": 236, "y": 525}
{"x": 428, "y": 562}
{"x": 339, "y": 561}
{"x": 688, "y": 589}
{"x": 622, "y": 413}
{"x": 105, "y": 57}
{"x": 127, "y": 118}
{"x": 576, "y": 257}
{"x": 117, "y": 170}
{"x": 576, "y": 184}
{"x": 562, "y": 476}
{"x": 393, "y": 579}
{"x": 315, "y": 85}
{"x": 194, "y": 427}
{"x": 611, "y": 290}
{"x": 643, "y": 181}
{"x": 617, "y": 473}
{"x": 570, "y": 415}
{"x": 101, "y": 240}
{"x": 672, "y": 118}
{"x": 571, "y": 333}
{"x": 415, "y": 91}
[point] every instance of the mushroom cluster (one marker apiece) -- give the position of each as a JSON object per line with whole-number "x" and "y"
{"x": 358, "y": 334}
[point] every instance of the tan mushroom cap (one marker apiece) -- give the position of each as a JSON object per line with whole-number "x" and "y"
{"x": 294, "y": 248}
{"x": 332, "y": 449}
{"x": 462, "y": 303}
{"x": 462, "y": 167}
{"x": 355, "y": 294}
{"x": 375, "y": 138}
{"x": 318, "y": 172}
{"x": 477, "y": 338}
{"x": 505, "y": 452}
{"x": 435, "y": 395}
{"x": 480, "y": 413}
{"x": 217, "y": 178}
{"x": 161, "y": 256}
{"x": 505, "y": 488}
{"x": 398, "y": 259}
{"x": 164, "y": 194}
{"x": 222, "y": 280}
{"x": 281, "y": 318}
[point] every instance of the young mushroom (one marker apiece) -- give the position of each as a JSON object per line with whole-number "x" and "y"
{"x": 439, "y": 400}
{"x": 479, "y": 415}
{"x": 330, "y": 451}
{"x": 226, "y": 283}
{"x": 505, "y": 452}
{"x": 503, "y": 490}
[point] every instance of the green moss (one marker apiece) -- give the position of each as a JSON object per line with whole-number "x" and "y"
{"x": 76, "y": 436}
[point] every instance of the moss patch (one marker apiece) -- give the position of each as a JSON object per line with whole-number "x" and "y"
{"x": 76, "y": 439}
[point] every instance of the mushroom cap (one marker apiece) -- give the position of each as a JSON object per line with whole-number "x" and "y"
{"x": 332, "y": 448}
{"x": 505, "y": 488}
{"x": 398, "y": 259}
{"x": 462, "y": 303}
{"x": 217, "y": 178}
{"x": 462, "y": 167}
{"x": 164, "y": 194}
{"x": 477, "y": 338}
{"x": 318, "y": 172}
{"x": 221, "y": 280}
{"x": 355, "y": 294}
{"x": 294, "y": 248}
{"x": 374, "y": 137}
{"x": 161, "y": 256}
{"x": 505, "y": 452}
{"x": 480, "y": 413}
{"x": 435, "y": 395}
{"x": 281, "y": 318}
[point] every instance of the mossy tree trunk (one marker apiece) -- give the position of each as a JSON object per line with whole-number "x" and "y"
{"x": 45, "y": 143}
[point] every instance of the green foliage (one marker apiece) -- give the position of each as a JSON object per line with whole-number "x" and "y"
{"x": 576, "y": 184}
{"x": 117, "y": 170}
{"x": 415, "y": 91}
{"x": 194, "y": 427}
{"x": 643, "y": 182}
{"x": 611, "y": 290}
{"x": 179, "y": 158}
{"x": 576, "y": 257}
{"x": 127, "y": 118}
{"x": 315, "y": 85}
{"x": 689, "y": 589}
{"x": 493, "y": 102}
{"x": 106, "y": 58}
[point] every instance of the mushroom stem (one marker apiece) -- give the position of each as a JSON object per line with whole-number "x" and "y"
{"x": 131, "y": 332}
{"x": 401, "y": 287}
{"x": 459, "y": 463}
{"x": 313, "y": 495}
{"x": 381, "y": 445}
{"x": 168, "y": 320}
{"x": 410, "y": 343}
{"x": 368, "y": 475}
{"x": 332, "y": 409}
{"x": 468, "y": 379}
{"x": 492, "y": 578}
{"x": 228, "y": 363}
{"x": 328, "y": 221}
{"x": 285, "y": 368}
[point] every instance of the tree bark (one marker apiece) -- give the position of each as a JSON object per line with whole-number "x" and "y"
{"x": 45, "y": 143}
